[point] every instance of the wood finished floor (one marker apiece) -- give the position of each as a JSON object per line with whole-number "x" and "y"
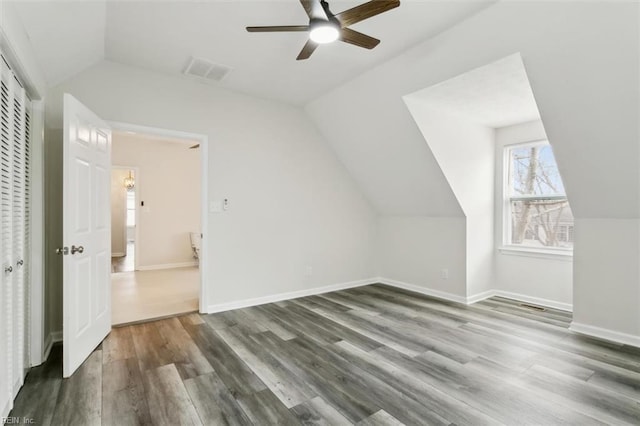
{"x": 373, "y": 355}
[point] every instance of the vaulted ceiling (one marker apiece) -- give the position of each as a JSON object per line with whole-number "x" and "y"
{"x": 161, "y": 36}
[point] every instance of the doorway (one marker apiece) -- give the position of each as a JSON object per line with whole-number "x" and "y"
{"x": 123, "y": 218}
{"x": 156, "y": 226}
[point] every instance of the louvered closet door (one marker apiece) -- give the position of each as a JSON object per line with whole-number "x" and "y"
{"x": 17, "y": 225}
{"x": 14, "y": 235}
{"x": 6, "y": 296}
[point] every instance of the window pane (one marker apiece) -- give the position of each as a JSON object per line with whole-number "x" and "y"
{"x": 131, "y": 200}
{"x": 131, "y": 218}
{"x": 534, "y": 171}
{"x": 542, "y": 223}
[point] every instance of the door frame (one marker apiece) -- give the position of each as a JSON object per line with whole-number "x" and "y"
{"x": 203, "y": 140}
{"x": 136, "y": 174}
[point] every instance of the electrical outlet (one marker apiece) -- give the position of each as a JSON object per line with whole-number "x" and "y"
{"x": 445, "y": 274}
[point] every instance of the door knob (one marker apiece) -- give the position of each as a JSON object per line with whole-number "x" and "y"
{"x": 8, "y": 269}
{"x": 62, "y": 250}
{"x": 78, "y": 249}
{"x": 20, "y": 262}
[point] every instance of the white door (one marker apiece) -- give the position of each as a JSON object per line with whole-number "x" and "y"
{"x": 86, "y": 233}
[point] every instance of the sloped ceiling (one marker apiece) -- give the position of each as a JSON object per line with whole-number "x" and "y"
{"x": 585, "y": 85}
{"x": 162, "y": 36}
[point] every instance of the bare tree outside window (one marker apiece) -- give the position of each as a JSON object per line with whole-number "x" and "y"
{"x": 540, "y": 213}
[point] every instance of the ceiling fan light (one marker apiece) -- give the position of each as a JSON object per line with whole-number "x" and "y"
{"x": 324, "y": 33}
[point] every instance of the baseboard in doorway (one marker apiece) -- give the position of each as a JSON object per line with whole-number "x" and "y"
{"x": 118, "y": 254}
{"x": 167, "y": 266}
{"x": 53, "y": 338}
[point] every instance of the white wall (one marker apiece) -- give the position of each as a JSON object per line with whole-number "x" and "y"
{"x": 415, "y": 250}
{"x": 118, "y": 212}
{"x": 465, "y": 153}
{"x": 586, "y": 86}
{"x": 292, "y": 204}
{"x": 547, "y": 278}
{"x": 168, "y": 181}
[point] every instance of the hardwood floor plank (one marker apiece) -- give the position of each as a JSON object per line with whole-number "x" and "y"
{"x": 380, "y": 418}
{"x": 118, "y": 345}
{"x": 152, "y": 350}
{"x": 355, "y": 380}
{"x": 167, "y": 397}
{"x": 316, "y": 412}
{"x": 188, "y": 358}
{"x": 584, "y": 397}
{"x": 411, "y": 385}
{"x": 314, "y": 371}
{"x": 214, "y": 402}
{"x": 80, "y": 397}
{"x": 234, "y": 372}
{"x": 339, "y": 331}
{"x": 268, "y": 369}
{"x": 264, "y": 408}
{"x": 124, "y": 400}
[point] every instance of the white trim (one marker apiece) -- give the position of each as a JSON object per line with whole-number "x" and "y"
{"x": 118, "y": 254}
{"x": 480, "y": 296}
{"x": 167, "y": 266}
{"x": 606, "y": 334}
{"x": 423, "y": 290}
{"x": 534, "y": 300}
{"x": 204, "y": 194}
{"x": 52, "y": 338}
{"x": 557, "y": 254}
{"x": 221, "y": 307}
{"x": 37, "y": 255}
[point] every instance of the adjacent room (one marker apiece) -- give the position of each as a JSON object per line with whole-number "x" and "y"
{"x": 155, "y": 226}
{"x": 320, "y": 212}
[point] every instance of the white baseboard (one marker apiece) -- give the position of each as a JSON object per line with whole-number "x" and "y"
{"x": 167, "y": 266}
{"x": 606, "y": 334}
{"x": 423, "y": 290}
{"x": 118, "y": 254}
{"x": 535, "y": 300}
{"x": 221, "y": 307}
{"x": 53, "y": 337}
{"x": 480, "y": 296}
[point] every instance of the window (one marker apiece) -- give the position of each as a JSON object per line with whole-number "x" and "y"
{"x": 131, "y": 209}
{"x": 538, "y": 214}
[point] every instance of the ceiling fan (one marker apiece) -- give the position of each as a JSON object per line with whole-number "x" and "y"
{"x": 325, "y": 27}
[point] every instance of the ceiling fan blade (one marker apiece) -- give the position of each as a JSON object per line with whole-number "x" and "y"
{"x": 358, "y": 39}
{"x": 281, "y": 28}
{"x": 196, "y": 146}
{"x": 307, "y": 50}
{"x": 314, "y": 9}
{"x": 366, "y": 10}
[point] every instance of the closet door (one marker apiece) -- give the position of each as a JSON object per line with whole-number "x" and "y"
{"x": 17, "y": 243}
{"x": 6, "y": 296}
{"x": 14, "y": 235}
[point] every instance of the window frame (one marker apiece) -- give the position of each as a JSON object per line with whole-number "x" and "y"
{"x": 507, "y": 247}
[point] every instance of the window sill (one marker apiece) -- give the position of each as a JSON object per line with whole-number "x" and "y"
{"x": 565, "y": 255}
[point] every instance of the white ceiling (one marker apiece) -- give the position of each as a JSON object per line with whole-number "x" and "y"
{"x": 161, "y": 36}
{"x": 495, "y": 95}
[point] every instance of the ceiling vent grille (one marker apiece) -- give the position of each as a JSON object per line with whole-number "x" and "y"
{"x": 206, "y": 70}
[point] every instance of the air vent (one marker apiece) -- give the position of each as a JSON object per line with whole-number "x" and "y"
{"x": 207, "y": 70}
{"x": 532, "y": 307}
